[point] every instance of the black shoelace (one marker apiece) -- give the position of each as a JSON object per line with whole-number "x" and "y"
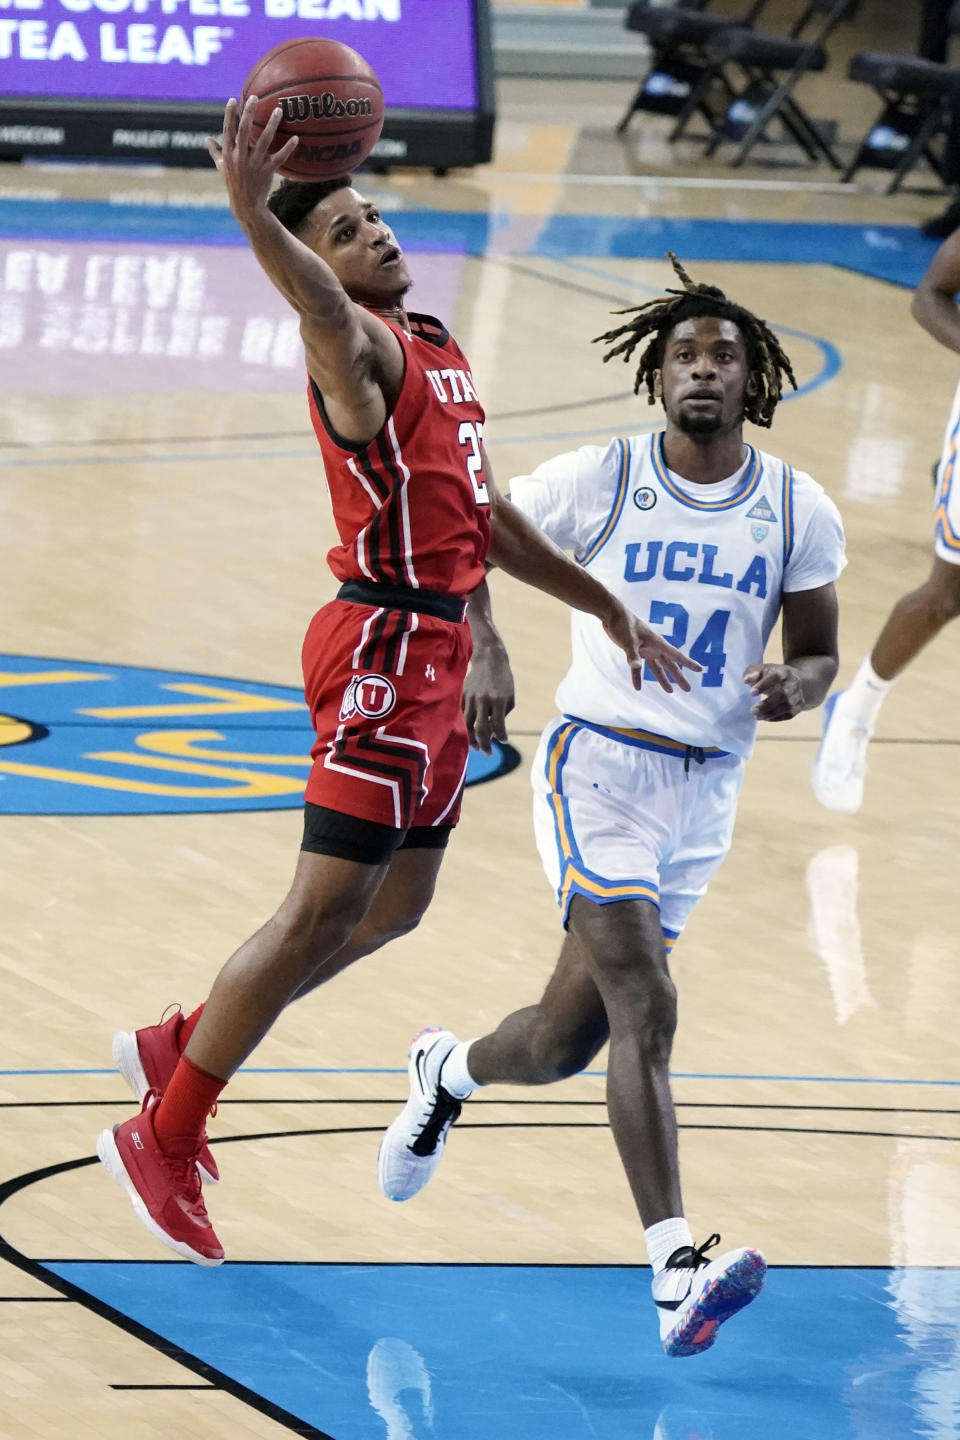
{"x": 688, "y": 1257}
{"x": 691, "y": 1257}
{"x": 445, "y": 1111}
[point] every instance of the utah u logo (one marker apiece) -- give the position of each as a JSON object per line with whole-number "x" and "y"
{"x": 370, "y": 695}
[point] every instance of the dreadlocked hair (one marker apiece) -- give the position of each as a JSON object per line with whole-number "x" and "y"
{"x": 767, "y": 361}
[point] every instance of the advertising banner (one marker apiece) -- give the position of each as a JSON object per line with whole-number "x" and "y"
{"x": 200, "y": 51}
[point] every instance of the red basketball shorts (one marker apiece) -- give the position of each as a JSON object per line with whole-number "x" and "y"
{"x": 385, "y": 690}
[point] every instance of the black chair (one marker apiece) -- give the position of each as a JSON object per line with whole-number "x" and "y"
{"x": 771, "y": 67}
{"x": 920, "y": 100}
{"x": 678, "y": 37}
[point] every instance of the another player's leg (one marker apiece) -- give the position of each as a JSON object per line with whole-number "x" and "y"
{"x": 616, "y": 951}
{"x": 535, "y": 1046}
{"x": 398, "y": 906}
{"x": 565, "y": 1030}
{"x": 549, "y": 1041}
{"x": 613, "y": 966}
{"x": 557, "y": 1038}
{"x": 625, "y": 948}
{"x": 625, "y": 951}
{"x": 343, "y": 863}
{"x": 148, "y": 1057}
{"x": 154, "y": 1156}
{"x": 850, "y": 716}
{"x": 611, "y": 981}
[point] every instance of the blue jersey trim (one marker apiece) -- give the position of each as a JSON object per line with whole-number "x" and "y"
{"x": 786, "y": 502}
{"x": 576, "y": 878}
{"x": 750, "y": 481}
{"x": 943, "y": 530}
{"x": 648, "y": 740}
{"x": 624, "y": 890}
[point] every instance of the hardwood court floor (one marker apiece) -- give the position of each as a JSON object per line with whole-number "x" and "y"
{"x": 161, "y": 507}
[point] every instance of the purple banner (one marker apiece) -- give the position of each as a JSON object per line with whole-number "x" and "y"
{"x": 200, "y": 51}
{"x": 109, "y": 319}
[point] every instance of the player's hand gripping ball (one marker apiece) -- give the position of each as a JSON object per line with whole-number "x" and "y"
{"x": 330, "y": 99}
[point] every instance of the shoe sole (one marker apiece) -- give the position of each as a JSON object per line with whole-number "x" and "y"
{"x": 397, "y": 1124}
{"x": 721, "y": 1299}
{"x": 126, "y": 1058}
{"x": 112, "y": 1161}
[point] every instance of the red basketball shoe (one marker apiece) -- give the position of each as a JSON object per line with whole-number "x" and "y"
{"x": 164, "y": 1190}
{"x": 147, "y": 1059}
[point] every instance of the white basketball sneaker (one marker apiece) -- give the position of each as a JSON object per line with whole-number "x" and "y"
{"x": 694, "y": 1295}
{"x": 841, "y": 764}
{"x": 412, "y": 1148}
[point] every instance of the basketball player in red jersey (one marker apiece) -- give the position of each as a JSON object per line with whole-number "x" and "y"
{"x": 401, "y": 432}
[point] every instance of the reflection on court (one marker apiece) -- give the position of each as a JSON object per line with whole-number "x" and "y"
{"x": 162, "y": 533}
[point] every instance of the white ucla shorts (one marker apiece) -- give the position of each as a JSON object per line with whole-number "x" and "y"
{"x": 946, "y": 533}
{"x": 628, "y": 815}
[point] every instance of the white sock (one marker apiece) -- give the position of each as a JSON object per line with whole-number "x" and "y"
{"x": 865, "y": 694}
{"x": 454, "y": 1075}
{"x": 665, "y": 1237}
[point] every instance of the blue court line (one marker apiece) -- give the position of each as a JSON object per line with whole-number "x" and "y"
{"x": 33, "y": 462}
{"x": 897, "y": 254}
{"x": 423, "y": 231}
{"x": 394, "y": 1070}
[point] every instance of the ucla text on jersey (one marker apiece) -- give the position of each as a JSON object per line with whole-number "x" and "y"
{"x": 705, "y": 565}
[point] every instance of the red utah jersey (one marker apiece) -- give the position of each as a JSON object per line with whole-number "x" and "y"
{"x": 411, "y": 506}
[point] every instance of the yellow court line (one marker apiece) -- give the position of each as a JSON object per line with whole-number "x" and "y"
{"x": 253, "y": 785}
{"x": 224, "y": 702}
{"x": 47, "y": 677}
{"x": 185, "y": 743}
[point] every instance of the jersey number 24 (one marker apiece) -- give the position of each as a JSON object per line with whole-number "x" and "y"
{"x": 707, "y": 649}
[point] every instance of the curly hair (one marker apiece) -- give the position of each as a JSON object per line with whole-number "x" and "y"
{"x": 293, "y": 200}
{"x": 767, "y": 362}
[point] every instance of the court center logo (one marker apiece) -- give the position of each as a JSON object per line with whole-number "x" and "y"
{"x": 84, "y": 739}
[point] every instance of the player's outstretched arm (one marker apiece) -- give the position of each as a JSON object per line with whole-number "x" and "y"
{"x": 810, "y": 659}
{"x": 934, "y": 302}
{"x": 332, "y": 326}
{"x": 523, "y": 551}
{"x": 488, "y": 692}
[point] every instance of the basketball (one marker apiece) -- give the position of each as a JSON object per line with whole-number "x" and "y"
{"x": 330, "y": 98}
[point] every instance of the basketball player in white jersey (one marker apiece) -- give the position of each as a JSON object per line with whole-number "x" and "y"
{"x": 635, "y": 793}
{"x": 850, "y": 716}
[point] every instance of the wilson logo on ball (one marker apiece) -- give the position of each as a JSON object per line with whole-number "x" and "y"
{"x": 324, "y": 106}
